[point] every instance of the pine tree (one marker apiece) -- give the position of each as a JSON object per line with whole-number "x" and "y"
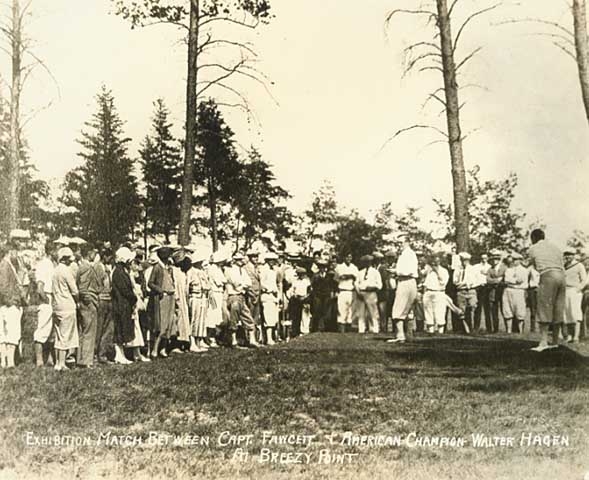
{"x": 259, "y": 201}
{"x": 104, "y": 189}
{"x": 217, "y": 167}
{"x": 161, "y": 161}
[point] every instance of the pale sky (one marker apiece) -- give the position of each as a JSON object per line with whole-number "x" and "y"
{"x": 339, "y": 96}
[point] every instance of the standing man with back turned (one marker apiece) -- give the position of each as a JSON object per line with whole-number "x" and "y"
{"x": 548, "y": 261}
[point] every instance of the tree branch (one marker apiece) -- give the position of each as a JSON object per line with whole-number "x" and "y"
{"x": 468, "y": 57}
{"x": 434, "y": 96}
{"x": 429, "y": 13}
{"x": 431, "y": 67}
{"x": 566, "y": 50}
{"x": 541, "y": 21}
{"x": 555, "y": 35}
{"x": 451, "y": 9}
{"x": 407, "y": 129}
{"x": 229, "y": 72}
{"x": 413, "y": 62}
{"x": 230, "y": 20}
{"x": 243, "y": 46}
{"x": 469, "y": 19}
{"x": 410, "y": 48}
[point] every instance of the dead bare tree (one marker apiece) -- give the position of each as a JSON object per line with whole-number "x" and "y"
{"x": 15, "y": 34}
{"x": 582, "y": 49}
{"x": 23, "y": 63}
{"x": 440, "y": 54}
{"x": 573, "y": 42}
{"x": 199, "y": 21}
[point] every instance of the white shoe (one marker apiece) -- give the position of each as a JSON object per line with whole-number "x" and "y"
{"x": 397, "y": 340}
{"x": 541, "y": 348}
{"x": 142, "y": 358}
{"x": 123, "y": 361}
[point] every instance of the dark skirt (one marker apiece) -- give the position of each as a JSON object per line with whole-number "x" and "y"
{"x": 124, "y": 325}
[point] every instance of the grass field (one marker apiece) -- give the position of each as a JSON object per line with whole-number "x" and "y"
{"x": 323, "y": 385}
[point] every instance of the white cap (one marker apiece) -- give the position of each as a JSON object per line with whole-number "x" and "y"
{"x": 124, "y": 255}
{"x": 465, "y": 255}
{"x": 65, "y": 252}
{"x": 219, "y": 257}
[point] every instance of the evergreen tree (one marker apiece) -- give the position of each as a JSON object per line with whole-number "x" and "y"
{"x": 217, "y": 167}
{"x": 103, "y": 190}
{"x": 259, "y": 201}
{"x": 161, "y": 161}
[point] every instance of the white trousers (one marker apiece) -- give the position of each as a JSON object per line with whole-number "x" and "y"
{"x": 434, "y": 307}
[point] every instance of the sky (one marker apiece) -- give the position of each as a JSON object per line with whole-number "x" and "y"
{"x": 337, "y": 94}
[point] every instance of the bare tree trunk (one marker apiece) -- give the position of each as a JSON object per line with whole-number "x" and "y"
{"x": 14, "y": 157}
{"x": 145, "y": 225}
{"x": 454, "y": 133}
{"x": 191, "y": 111}
{"x": 213, "y": 212}
{"x": 582, "y": 49}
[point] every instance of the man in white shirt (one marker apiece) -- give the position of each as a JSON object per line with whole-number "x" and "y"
{"x": 406, "y": 294}
{"x": 269, "y": 295}
{"x": 514, "y": 295}
{"x": 44, "y": 276}
{"x": 434, "y": 298}
{"x": 369, "y": 282}
{"x": 346, "y": 274}
{"x": 483, "y": 303}
{"x": 466, "y": 279}
{"x": 238, "y": 284}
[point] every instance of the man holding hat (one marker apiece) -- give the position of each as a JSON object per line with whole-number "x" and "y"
{"x": 65, "y": 298}
{"x": 238, "y": 284}
{"x": 514, "y": 296}
{"x": 369, "y": 283}
{"x": 576, "y": 280}
{"x": 466, "y": 279}
{"x": 407, "y": 273}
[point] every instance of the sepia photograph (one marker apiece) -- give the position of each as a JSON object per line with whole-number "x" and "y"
{"x": 294, "y": 239}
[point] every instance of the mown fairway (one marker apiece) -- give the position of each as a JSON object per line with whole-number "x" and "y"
{"x": 320, "y": 385}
